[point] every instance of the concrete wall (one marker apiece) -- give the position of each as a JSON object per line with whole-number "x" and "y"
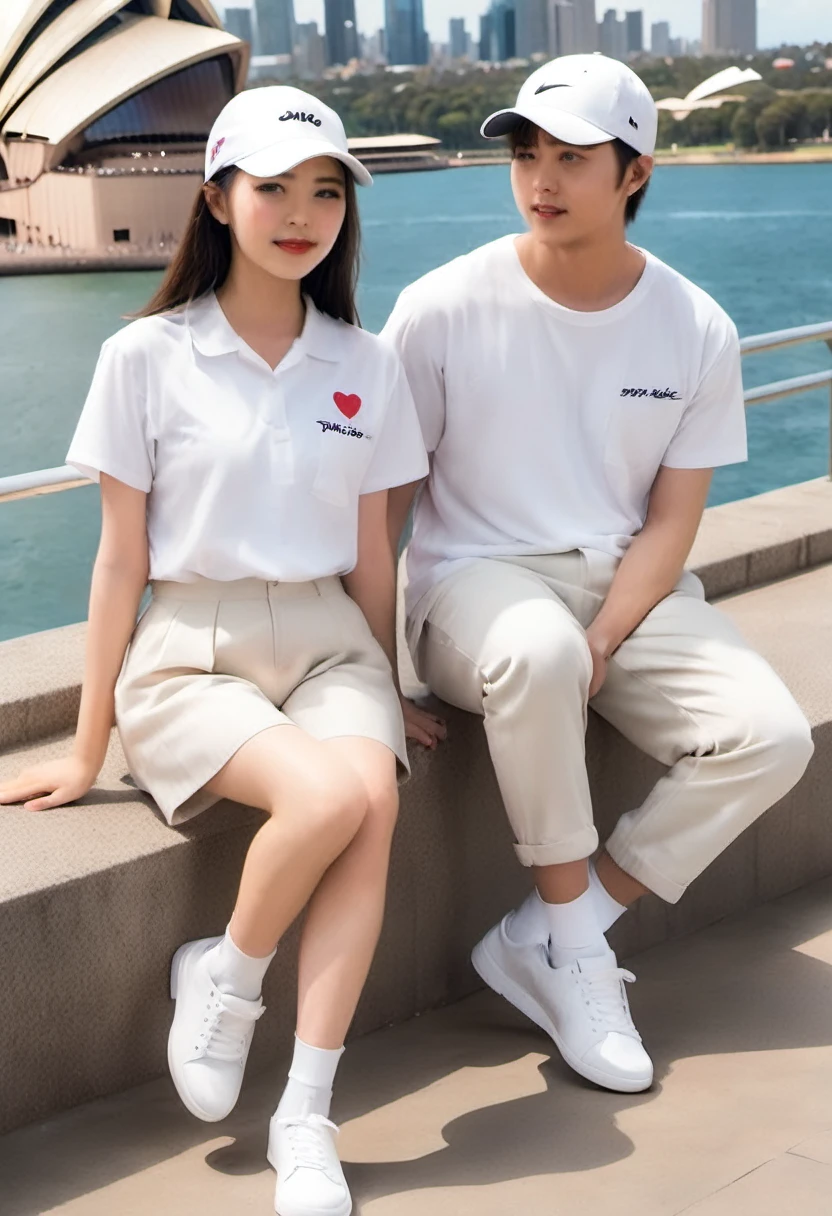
{"x": 84, "y": 210}
{"x": 94, "y": 898}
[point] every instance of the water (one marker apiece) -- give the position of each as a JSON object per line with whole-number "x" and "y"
{"x": 753, "y": 236}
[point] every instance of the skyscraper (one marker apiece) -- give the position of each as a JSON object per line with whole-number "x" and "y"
{"x": 484, "y": 48}
{"x": 341, "y": 31}
{"x": 310, "y": 51}
{"x": 457, "y": 38}
{"x": 573, "y": 28}
{"x": 613, "y": 35}
{"x": 660, "y": 39}
{"x": 531, "y": 32}
{"x": 407, "y": 41}
{"x": 635, "y": 33}
{"x": 503, "y": 31}
{"x": 239, "y": 23}
{"x": 729, "y": 27}
{"x": 275, "y": 27}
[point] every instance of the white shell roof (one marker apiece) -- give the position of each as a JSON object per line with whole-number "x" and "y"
{"x": 141, "y": 51}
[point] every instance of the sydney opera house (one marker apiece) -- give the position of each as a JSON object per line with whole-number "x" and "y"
{"x": 105, "y": 106}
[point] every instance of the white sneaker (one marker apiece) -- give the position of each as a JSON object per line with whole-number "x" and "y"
{"x": 210, "y": 1037}
{"x": 310, "y": 1181}
{"x": 583, "y": 1007}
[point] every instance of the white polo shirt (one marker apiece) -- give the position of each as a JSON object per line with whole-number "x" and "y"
{"x": 548, "y": 426}
{"x": 249, "y": 472}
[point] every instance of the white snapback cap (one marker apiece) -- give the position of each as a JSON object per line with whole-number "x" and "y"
{"x": 584, "y": 99}
{"x": 267, "y": 131}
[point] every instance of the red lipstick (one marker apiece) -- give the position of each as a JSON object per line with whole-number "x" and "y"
{"x": 295, "y": 246}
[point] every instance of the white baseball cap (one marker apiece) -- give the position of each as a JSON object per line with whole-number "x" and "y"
{"x": 584, "y": 99}
{"x": 267, "y": 131}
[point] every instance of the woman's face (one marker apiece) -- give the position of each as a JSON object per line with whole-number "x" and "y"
{"x": 285, "y": 225}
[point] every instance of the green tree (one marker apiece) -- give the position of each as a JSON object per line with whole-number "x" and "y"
{"x": 784, "y": 120}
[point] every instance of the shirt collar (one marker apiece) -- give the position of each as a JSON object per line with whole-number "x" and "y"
{"x": 212, "y": 333}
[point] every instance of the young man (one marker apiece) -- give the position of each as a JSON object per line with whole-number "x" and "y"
{"x": 576, "y": 394}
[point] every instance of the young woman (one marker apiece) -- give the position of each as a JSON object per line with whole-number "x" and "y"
{"x": 245, "y": 432}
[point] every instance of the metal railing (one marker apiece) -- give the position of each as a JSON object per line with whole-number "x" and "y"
{"x": 47, "y": 481}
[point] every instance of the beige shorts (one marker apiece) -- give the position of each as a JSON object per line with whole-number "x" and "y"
{"x": 210, "y": 665}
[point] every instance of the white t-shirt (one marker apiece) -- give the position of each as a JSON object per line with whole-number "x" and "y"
{"x": 547, "y": 427}
{"x": 249, "y": 472}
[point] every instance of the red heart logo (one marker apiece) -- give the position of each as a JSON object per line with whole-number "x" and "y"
{"x": 348, "y": 403}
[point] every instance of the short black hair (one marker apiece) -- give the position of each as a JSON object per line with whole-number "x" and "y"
{"x": 526, "y": 134}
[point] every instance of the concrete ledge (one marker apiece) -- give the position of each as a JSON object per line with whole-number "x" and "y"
{"x": 757, "y": 540}
{"x": 95, "y": 898}
{"x": 40, "y": 684}
{"x": 740, "y": 545}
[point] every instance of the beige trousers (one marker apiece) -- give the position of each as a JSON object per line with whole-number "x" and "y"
{"x": 505, "y": 638}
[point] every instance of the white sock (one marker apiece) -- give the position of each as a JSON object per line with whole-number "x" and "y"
{"x": 529, "y": 924}
{"x": 607, "y": 909}
{"x": 309, "y": 1088}
{"x": 235, "y": 973}
{"x": 574, "y": 930}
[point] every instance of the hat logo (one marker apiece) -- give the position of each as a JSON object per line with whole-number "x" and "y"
{"x": 633, "y": 123}
{"x": 215, "y": 151}
{"x": 299, "y": 116}
{"x": 545, "y": 87}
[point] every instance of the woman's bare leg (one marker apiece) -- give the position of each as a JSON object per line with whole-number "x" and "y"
{"x": 345, "y": 914}
{"x": 316, "y": 803}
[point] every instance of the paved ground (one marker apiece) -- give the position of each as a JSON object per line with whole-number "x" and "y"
{"x": 463, "y": 1112}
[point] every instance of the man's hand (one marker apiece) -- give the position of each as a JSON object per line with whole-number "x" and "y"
{"x": 421, "y": 725}
{"x": 599, "y": 648}
{"x": 58, "y": 782}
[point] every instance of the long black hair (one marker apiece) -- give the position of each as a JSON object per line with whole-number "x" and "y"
{"x": 203, "y": 259}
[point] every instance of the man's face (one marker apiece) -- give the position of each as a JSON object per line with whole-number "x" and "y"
{"x": 569, "y": 195}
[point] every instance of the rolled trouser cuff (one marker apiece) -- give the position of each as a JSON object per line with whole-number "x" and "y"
{"x": 577, "y": 847}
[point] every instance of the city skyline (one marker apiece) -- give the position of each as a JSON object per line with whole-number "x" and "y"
{"x": 799, "y": 21}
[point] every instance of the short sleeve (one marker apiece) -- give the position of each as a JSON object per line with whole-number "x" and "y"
{"x": 712, "y": 431}
{"x": 113, "y": 432}
{"x": 399, "y": 455}
{"x": 418, "y": 337}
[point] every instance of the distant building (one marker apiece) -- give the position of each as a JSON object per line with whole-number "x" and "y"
{"x": 341, "y": 32}
{"x": 103, "y": 125}
{"x": 240, "y": 23}
{"x": 310, "y": 51}
{"x": 486, "y": 32}
{"x": 660, "y": 39}
{"x": 407, "y": 40}
{"x": 531, "y": 28}
{"x": 457, "y": 38}
{"x": 372, "y": 48}
{"x": 613, "y": 35}
{"x": 503, "y": 31}
{"x": 729, "y": 27}
{"x": 573, "y": 27}
{"x": 275, "y": 27}
{"x": 635, "y": 32}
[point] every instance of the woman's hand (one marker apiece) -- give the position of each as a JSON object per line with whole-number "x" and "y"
{"x": 421, "y": 725}
{"x": 57, "y": 782}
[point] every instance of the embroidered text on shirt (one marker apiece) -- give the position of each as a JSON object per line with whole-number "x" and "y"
{"x": 666, "y": 394}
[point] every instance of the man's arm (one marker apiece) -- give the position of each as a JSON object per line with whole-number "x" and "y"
{"x": 653, "y": 564}
{"x": 399, "y": 502}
